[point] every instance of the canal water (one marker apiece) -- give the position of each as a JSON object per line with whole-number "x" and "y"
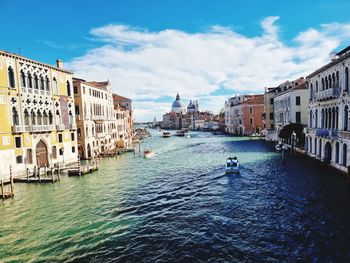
{"x": 180, "y": 207}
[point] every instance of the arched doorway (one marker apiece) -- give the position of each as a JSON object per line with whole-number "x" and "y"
{"x": 89, "y": 150}
{"x": 41, "y": 154}
{"x": 327, "y": 152}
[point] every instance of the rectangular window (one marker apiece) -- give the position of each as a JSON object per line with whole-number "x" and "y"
{"x": 251, "y": 120}
{"x": 19, "y": 159}
{"x": 297, "y": 101}
{"x": 61, "y": 151}
{"x": 72, "y": 136}
{"x": 271, "y": 101}
{"x": 250, "y": 110}
{"x": 54, "y": 152}
{"x": 83, "y": 90}
{"x": 77, "y": 111}
{"x": 271, "y": 115}
{"x": 75, "y": 89}
{"x": 60, "y": 138}
{"x": 73, "y": 149}
{"x": 18, "y": 142}
{"x": 298, "y": 117}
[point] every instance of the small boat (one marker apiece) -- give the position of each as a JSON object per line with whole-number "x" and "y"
{"x": 166, "y": 134}
{"x": 148, "y": 153}
{"x": 180, "y": 133}
{"x": 232, "y": 165}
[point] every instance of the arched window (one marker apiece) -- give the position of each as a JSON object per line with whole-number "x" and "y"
{"x": 310, "y": 119}
{"x": 337, "y": 79}
{"x": 26, "y": 117}
{"x": 55, "y": 88}
{"x": 337, "y": 152}
{"x": 322, "y": 118}
{"x": 336, "y": 117}
{"x": 346, "y": 118}
{"x": 316, "y": 118}
{"x": 11, "y": 77}
{"x": 30, "y": 82}
{"x": 316, "y": 86}
{"x": 42, "y": 83}
{"x": 333, "y": 80}
{"x": 47, "y": 84}
{"x": 39, "y": 118}
{"x": 23, "y": 79}
{"x": 68, "y": 89}
{"x": 329, "y": 82}
{"x": 345, "y": 155}
{"x": 15, "y": 118}
{"x": 310, "y": 96}
{"x": 322, "y": 84}
{"x": 36, "y": 82}
{"x": 87, "y": 131}
{"x": 333, "y": 118}
{"x": 50, "y": 118}
{"x": 32, "y": 113}
{"x": 58, "y": 118}
{"x": 315, "y": 150}
{"x": 45, "y": 118}
{"x": 346, "y": 79}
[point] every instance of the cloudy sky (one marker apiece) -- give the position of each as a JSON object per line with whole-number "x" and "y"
{"x": 206, "y": 51}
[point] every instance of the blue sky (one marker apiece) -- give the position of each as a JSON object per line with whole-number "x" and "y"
{"x": 176, "y": 33}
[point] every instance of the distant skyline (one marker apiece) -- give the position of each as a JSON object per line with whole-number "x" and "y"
{"x": 205, "y": 50}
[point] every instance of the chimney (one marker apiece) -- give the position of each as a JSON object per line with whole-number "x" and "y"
{"x": 59, "y": 64}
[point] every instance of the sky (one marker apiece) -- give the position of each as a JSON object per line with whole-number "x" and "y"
{"x": 205, "y": 50}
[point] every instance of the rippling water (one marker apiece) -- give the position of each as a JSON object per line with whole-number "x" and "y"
{"x": 180, "y": 207}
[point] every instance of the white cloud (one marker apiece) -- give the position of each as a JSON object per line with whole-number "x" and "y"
{"x": 147, "y": 65}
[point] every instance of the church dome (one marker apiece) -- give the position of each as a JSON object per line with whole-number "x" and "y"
{"x": 177, "y": 104}
{"x": 191, "y": 106}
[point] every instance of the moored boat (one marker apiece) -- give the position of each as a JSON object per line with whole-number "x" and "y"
{"x": 180, "y": 133}
{"x": 148, "y": 153}
{"x": 166, "y": 134}
{"x": 232, "y": 165}
{"x": 278, "y": 147}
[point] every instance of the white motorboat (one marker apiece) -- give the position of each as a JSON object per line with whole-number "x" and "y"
{"x": 180, "y": 133}
{"x": 148, "y": 153}
{"x": 166, "y": 134}
{"x": 232, "y": 165}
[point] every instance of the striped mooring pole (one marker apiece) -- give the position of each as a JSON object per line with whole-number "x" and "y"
{"x": 11, "y": 182}
{"x": 79, "y": 167}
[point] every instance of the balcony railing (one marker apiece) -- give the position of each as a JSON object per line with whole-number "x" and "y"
{"x": 328, "y": 133}
{"x": 328, "y": 94}
{"x": 31, "y": 128}
{"x": 344, "y": 135}
{"x": 95, "y": 117}
{"x": 71, "y": 126}
{"x": 60, "y": 127}
{"x": 100, "y": 135}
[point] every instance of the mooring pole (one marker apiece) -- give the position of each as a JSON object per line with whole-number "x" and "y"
{"x": 79, "y": 167}
{"x": 11, "y": 182}
{"x": 2, "y": 189}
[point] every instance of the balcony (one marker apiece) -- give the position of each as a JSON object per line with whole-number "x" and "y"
{"x": 41, "y": 128}
{"x": 100, "y": 135}
{"x": 344, "y": 135}
{"x": 60, "y": 127}
{"x": 96, "y": 117}
{"x": 71, "y": 126}
{"x": 18, "y": 128}
{"x": 328, "y": 133}
{"x": 328, "y": 94}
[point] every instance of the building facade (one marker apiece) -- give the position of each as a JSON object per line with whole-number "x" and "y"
{"x": 95, "y": 118}
{"x": 243, "y": 114}
{"x": 38, "y": 125}
{"x": 328, "y": 132}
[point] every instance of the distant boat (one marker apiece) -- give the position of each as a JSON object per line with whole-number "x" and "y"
{"x": 278, "y": 147}
{"x": 232, "y": 165}
{"x": 166, "y": 134}
{"x": 180, "y": 133}
{"x": 148, "y": 153}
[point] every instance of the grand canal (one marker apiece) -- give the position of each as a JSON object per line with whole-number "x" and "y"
{"x": 180, "y": 207}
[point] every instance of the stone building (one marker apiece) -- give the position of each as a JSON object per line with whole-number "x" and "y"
{"x": 95, "y": 117}
{"x": 38, "y": 125}
{"x": 328, "y": 132}
{"x": 243, "y": 114}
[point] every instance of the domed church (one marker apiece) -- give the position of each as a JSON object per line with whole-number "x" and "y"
{"x": 192, "y": 106}
{"x": 177, "y": 106}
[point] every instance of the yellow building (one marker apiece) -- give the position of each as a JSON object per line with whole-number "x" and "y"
{"x": 37, "y": 126}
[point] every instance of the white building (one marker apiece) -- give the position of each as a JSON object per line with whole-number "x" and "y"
{"x": 290, "y": 106}
{"x": 328, "y": 134}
